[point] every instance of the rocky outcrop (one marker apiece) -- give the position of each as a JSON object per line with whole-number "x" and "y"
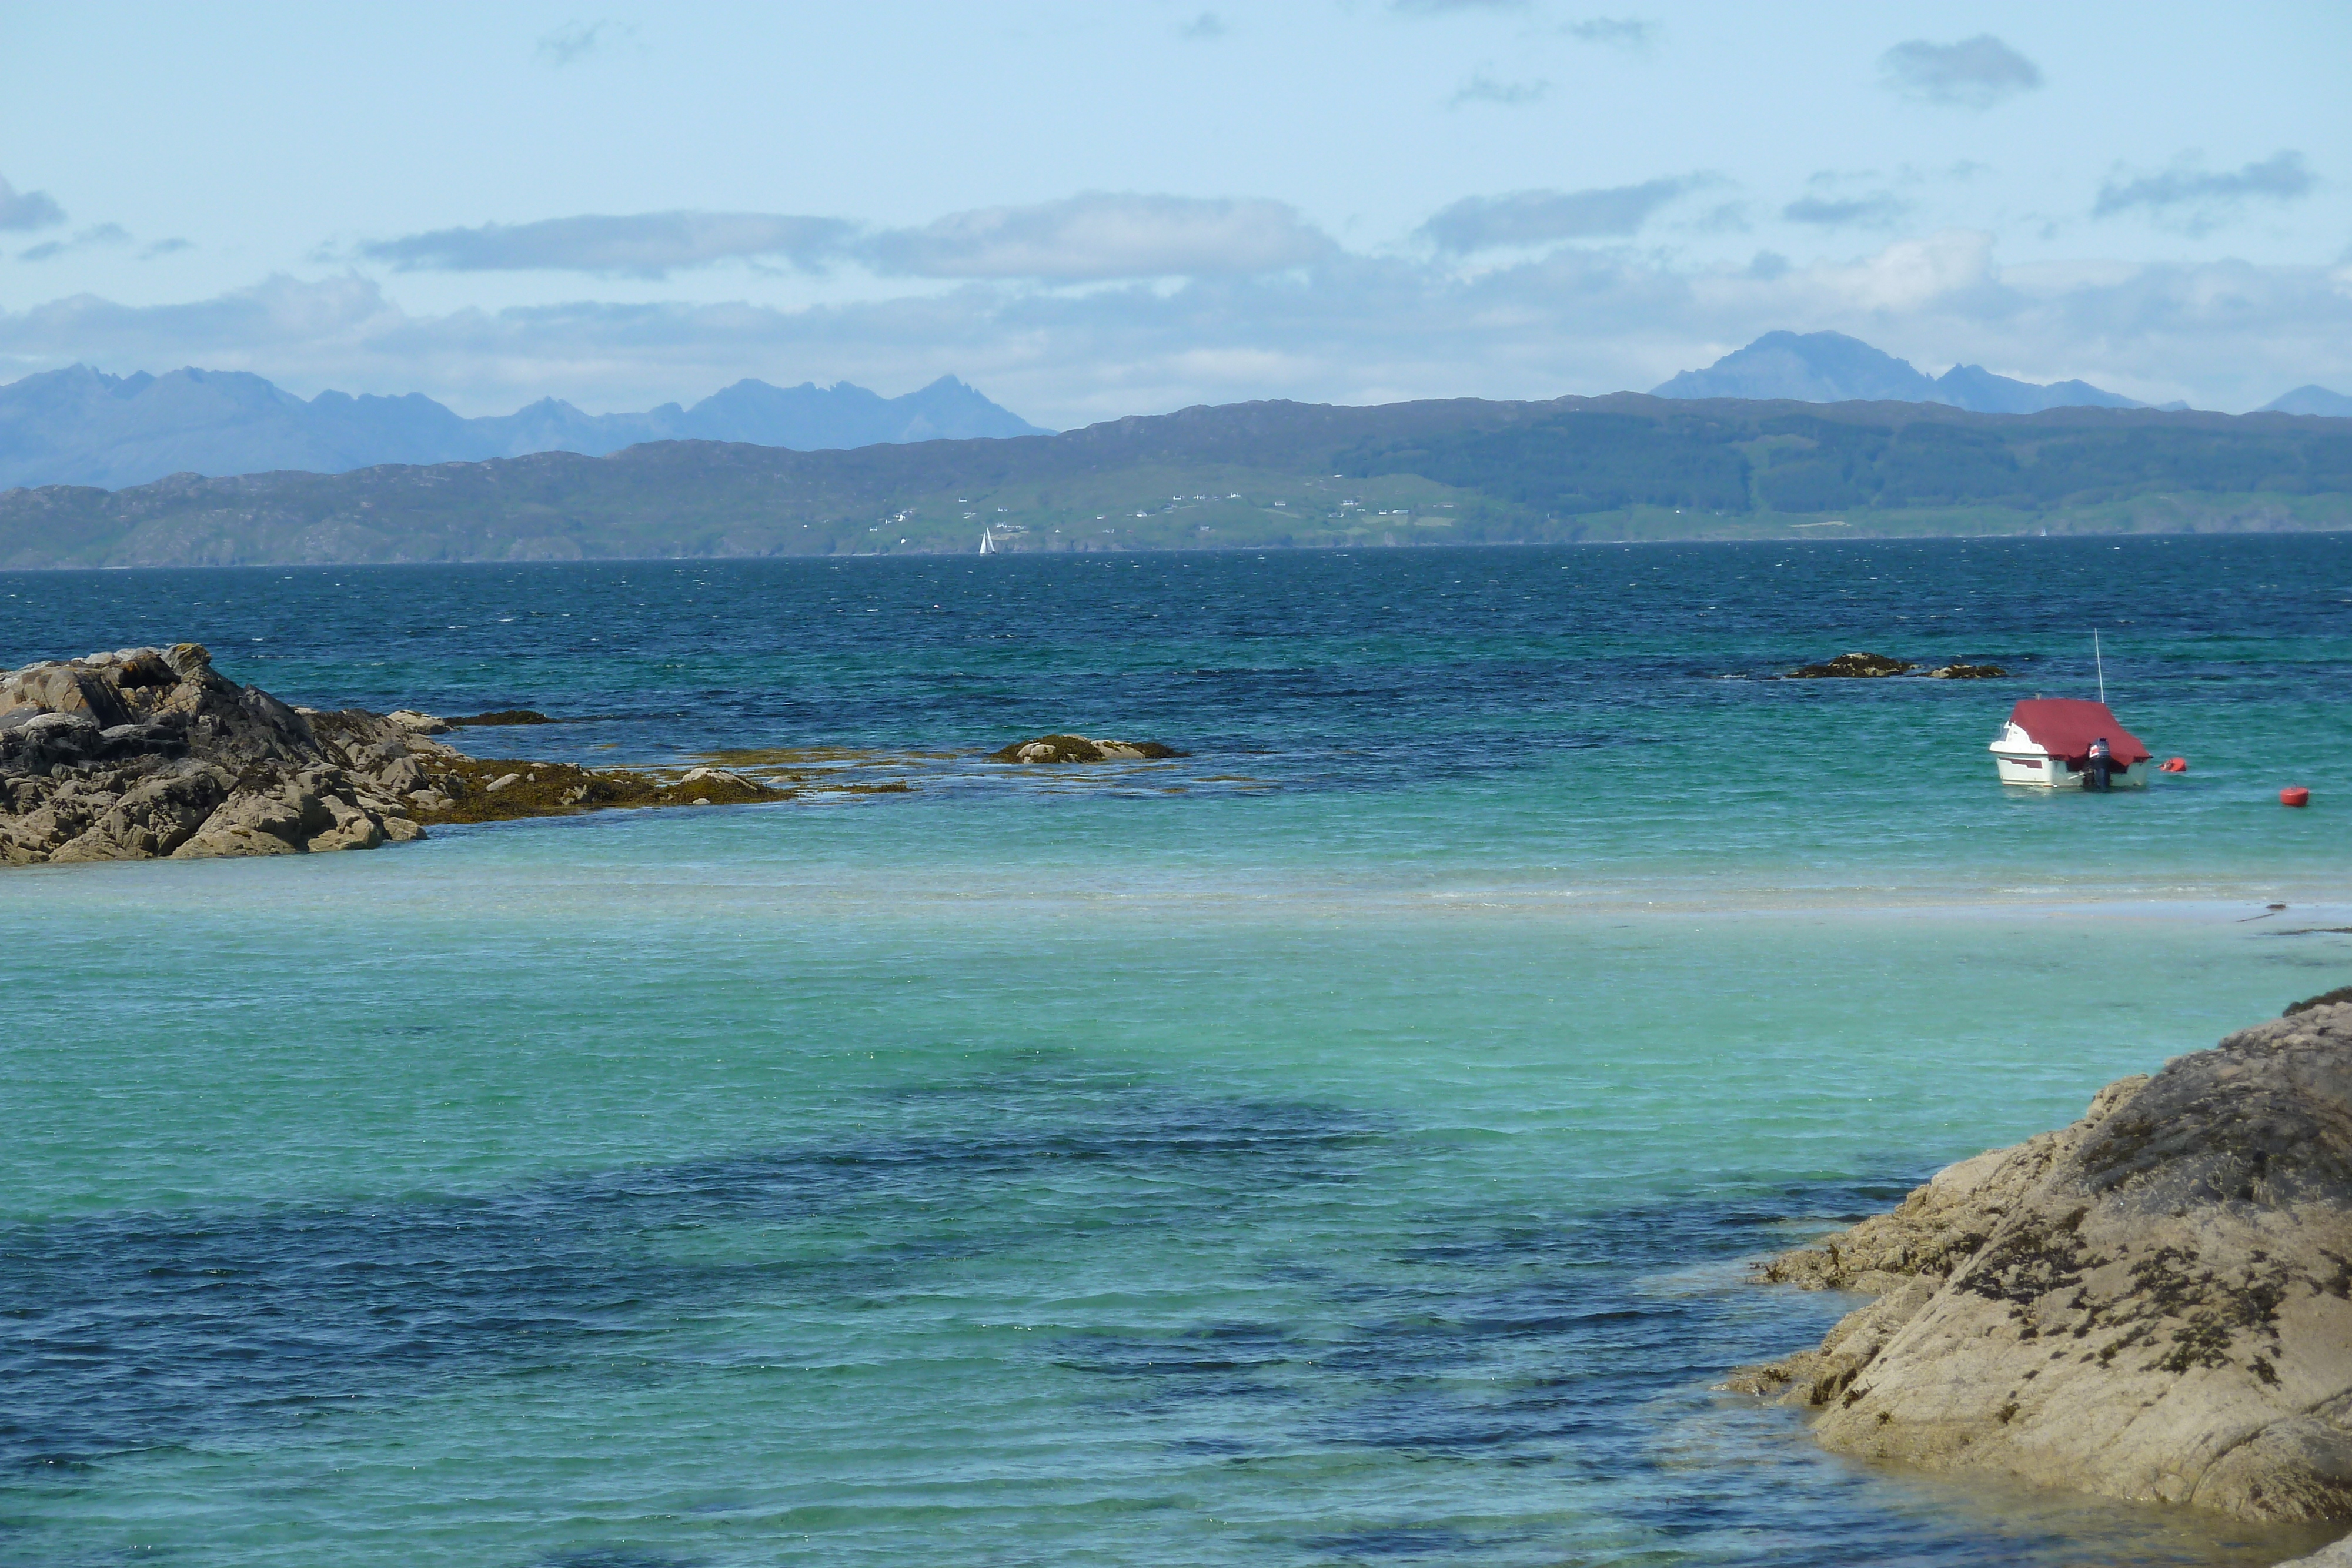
{"x": 150, "y": 752}
{"x": 2154, "y": 1303}
{"x": 1878, "y": 666}
{"x": 1079, "y": 748}
{"x": 1853, "y": 667}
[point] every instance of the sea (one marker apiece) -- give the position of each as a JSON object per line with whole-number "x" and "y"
{"x": 1343, "y": 1144}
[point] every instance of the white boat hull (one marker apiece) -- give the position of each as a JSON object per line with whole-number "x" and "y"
{"x": 2039, "y": 770}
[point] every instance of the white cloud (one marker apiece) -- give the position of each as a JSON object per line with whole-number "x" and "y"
{"x": 1876, "y": 209}
{"x": 1535, "y": 217}
{"x": 1975, "y": 73}
{"x": 1087, "y": 237}
{"x": 1344, "y": 327}
{"x": 97, "y": 235}
{"x": 573, "y": 41}
{"x": 25, "y": 210}
{"x": 1483, "y": 86}
{"x": 641, "y": 244}
{"x": 1102, "y": 234}
{"x": 1617, "y": 32}
{"x": 1449, "y": 7}
{"x": 2191, "y": 198}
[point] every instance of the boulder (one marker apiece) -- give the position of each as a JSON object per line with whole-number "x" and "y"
{"x": 1080, "y": 748}
{"x": 247, "y": 823}
{"x": 66, "y": 689}
{"x": 1968, "y": 673}
{"x": 350, "y": 827}
{"x": 153, "y": 817}
{"x": 2153, "y": 1303}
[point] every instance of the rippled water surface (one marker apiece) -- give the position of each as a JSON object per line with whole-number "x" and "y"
{"x": 1339, "y": 1145}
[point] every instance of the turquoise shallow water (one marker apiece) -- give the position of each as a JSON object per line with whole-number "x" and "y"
{"x": 1352, "y": 1164}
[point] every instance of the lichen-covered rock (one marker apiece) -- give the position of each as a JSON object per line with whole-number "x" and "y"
{"x": 2154, "y": 1303}
{"x": 1081, "y": 748}
{"x": 154, "y": 817}
{"x": 150, "y": 752}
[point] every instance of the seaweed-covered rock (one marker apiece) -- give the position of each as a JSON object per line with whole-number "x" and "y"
{"x": 504, "y": 715}
{"x": 149, "y": 752}
{"x": 1968, "y": 673}
{"x": 1853, "y": 667}
{"x": 1080, "y": 748}
{"x": 2154, "y": 1303}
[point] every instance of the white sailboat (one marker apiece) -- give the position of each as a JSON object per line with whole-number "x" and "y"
{"x": 988, "y": 542}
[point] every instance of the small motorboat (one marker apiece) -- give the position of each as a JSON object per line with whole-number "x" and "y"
{"x": 2049, "y": 742}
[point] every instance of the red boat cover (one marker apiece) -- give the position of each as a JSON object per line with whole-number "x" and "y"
{"x": 2066, "y": 727}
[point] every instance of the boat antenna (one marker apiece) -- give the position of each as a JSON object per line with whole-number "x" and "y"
{"x": 2099, "y": 659}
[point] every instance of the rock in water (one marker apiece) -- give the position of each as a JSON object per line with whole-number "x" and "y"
{"x": 149, "y": 752}
{"x": 1854, "y": 667}
{"x": 1079, "y": 748}
{"x": 1968, "y": 673}
{"x": 2154, "y": 1303}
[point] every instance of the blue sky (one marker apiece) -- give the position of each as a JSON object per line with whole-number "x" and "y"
{"x": 1098, "y": 209}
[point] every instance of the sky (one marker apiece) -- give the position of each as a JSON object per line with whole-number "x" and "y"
{"x": 1130, "y": 206}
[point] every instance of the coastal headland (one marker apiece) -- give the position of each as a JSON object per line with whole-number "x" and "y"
{"x": 2153, "y": 1303}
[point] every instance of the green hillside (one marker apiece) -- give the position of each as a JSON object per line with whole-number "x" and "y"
{"x": 1258, "y": 475}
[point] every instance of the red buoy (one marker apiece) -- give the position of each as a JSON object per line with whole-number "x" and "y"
{"x": 2174, "y": 765}
{"x": 2294, "y": 795}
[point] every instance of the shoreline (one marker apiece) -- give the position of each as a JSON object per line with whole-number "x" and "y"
{"x": 1402, "y": 546}
{"x": 2181, "y": 1247}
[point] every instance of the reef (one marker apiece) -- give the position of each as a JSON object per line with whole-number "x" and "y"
{"x": 149, "y": 752}
{"x": 1853, "y": 667}
{"x": 1080, "y": 748}
{"x": 2153, "y": 1303}
{"x": 1878, "y": 666}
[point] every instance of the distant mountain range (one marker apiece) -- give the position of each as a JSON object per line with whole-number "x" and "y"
{"x": 1830, "y": 367}
{"x": 79, "y": 426}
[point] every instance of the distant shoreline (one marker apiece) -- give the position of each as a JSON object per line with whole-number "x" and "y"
{"x": 1620, "y": 469}
{"x": 1798, "y": 534}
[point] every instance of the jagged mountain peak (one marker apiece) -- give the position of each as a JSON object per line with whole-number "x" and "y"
{"x": 79, "y": 425}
